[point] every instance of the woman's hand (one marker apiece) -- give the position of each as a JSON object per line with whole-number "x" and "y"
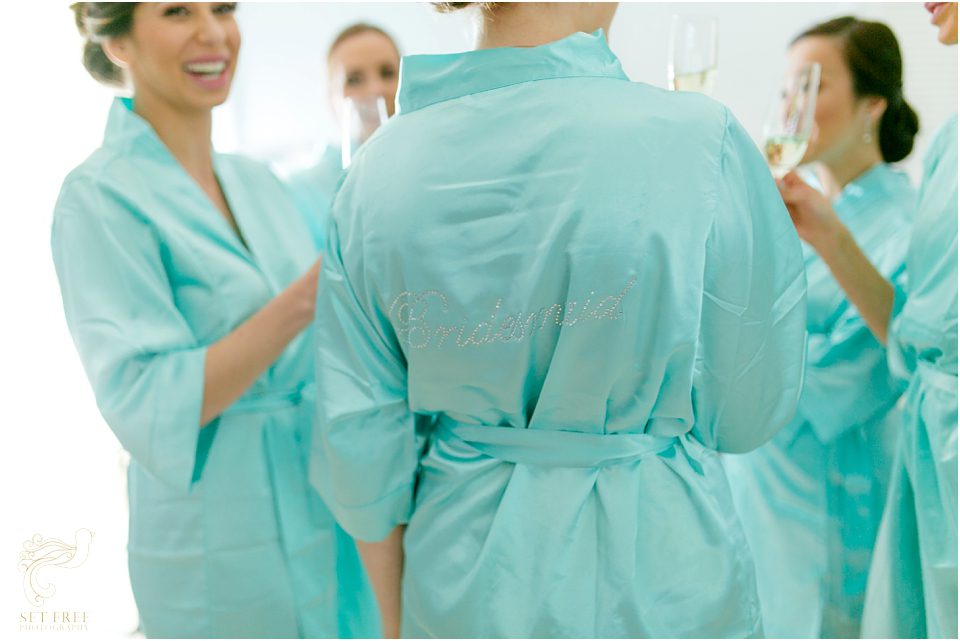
{"x": 235, "y": 361}
{"x": 301, "y": 294}
{"x": 811, "y": 212}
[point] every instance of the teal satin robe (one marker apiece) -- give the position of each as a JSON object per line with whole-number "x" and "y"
{"x": 811, "y": 500}
{"x": 912, "y": 590}
{"x": 312, "y": 190}
{"x": 227, "y": 538}
{"x": 549, "y": 297}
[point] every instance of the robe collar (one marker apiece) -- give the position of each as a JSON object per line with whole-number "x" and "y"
{"x": 429, "y": 79}
{"x": 875, "y": 183}
{"x": 132, "y": 135}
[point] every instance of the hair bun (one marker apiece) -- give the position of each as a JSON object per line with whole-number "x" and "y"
{"x": 98, "y": 21}
{"x": 898, "y": 128}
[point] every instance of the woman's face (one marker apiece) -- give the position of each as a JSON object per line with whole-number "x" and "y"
{"x": 182, "y": 54}
{"x": 841, "y": 119}
{"x": 365, "y": 65}
{"x": 944, "y": 16}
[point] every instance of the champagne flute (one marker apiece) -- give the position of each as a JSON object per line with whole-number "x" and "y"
{"x": 361, "y": 117}
{"x": 789, "y": 121}
{"x": 692, "y": 59}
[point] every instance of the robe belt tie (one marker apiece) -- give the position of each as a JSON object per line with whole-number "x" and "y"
{"x": 553, "y": 448}
{"x": 936, "y": 377}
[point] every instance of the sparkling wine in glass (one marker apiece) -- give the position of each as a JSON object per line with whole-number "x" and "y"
{"x": 692, "y": 57}
{"x": 789, "y": 121}
{"x": 361, "y": 117}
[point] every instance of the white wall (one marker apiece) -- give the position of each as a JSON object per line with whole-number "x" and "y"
{"x": 62, "y": 467}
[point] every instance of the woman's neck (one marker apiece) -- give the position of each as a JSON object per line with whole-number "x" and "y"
{"x": 185, "y": 133}
{"x": 531, "y": 24}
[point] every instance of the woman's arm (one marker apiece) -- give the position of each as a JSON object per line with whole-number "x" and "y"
{"x": 818, "y": 225}
{"x": 365, "y": 451}
{"x": 384, "y": 564}
{"x": 235, "y": 361}
{"x": 749, "y": 356}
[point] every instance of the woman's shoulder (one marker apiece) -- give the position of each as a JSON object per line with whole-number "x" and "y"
{"x": 947, "y": 132}
{"x": 671, "y": 124}
{"x": 653, "y": 109}
{"x": 106, "y": 174}
{"x": 681, "y": 103}
{"x": 943, "y": 147}
{"x": 881, "y": 205}
{"x": 897, "y": 186}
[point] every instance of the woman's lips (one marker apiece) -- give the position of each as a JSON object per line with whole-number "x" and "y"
{"x": 210, "y": 73}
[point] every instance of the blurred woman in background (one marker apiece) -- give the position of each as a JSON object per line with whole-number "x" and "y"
{"x": 912, "y": 586}
{"x": 363, "y": 63}
{"x": 188, "y": 283}
{"x": 811, "y": 500}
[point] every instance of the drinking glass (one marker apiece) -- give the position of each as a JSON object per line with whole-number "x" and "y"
{"x": 789, "y": 121}
{"x": 692, "y": 57}
{"x": 361, "y": 117}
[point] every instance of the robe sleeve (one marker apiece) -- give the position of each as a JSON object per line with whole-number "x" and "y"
{"x": 141, "y": 357}
{"x": 847, "y": 381}
{"x": 901, "y": 361}
{"x": 938, "y": 189}
{"x": 750, "y": 353}
{"x": 365, "y": 449}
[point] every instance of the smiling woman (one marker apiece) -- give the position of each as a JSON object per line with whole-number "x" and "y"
{"x": 188, "y": 284}
{"x": 181, "y": 54}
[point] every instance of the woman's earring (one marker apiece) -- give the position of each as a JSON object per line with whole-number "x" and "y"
{"x": 867, "y": 136}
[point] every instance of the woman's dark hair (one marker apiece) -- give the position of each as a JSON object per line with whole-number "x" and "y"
{"x": 355, "y": 30}
{"x": 873, "y": 57}
{"x": 98, "y": 21}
